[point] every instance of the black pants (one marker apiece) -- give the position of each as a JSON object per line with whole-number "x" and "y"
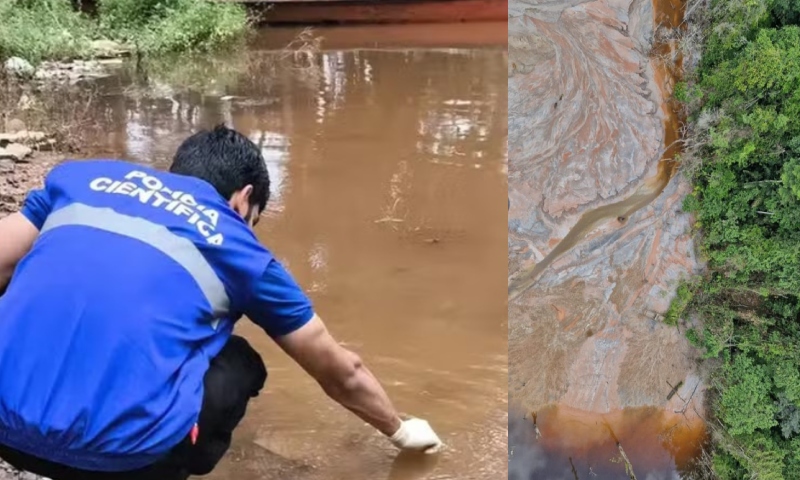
{"x": 234, "y": 376}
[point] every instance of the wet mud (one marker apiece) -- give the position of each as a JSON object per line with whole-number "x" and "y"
{"x": 388, "y": 162}
{"x": 568, "y": 444}
{"x": 16, "y": 179}
{"x": 597, "y": 240}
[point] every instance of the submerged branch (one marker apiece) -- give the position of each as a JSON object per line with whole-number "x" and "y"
{"x": 535, "y": 426}
{"x": 628, "y": 466}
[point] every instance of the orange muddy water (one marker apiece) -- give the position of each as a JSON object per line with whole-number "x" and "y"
{"x": 571, "y": 444}
{"x": 387, "y": 151}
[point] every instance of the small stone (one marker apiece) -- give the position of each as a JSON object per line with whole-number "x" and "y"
{"x": 15, "y": 152}
{"x": 6, "y": 165}
{"x": 25, "y": 103}
{"x": 15, "y": 125}
{"x": 26, "y": 137}
{"x": 19, "y": 66}
{"x": 74, "y": 71}
{"x": 108, "y": 49}
{"x": 48, "y": 145}
{"x": 111, "y": 61}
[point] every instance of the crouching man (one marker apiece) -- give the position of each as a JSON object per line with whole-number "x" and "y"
{"x": 117, "y": 359}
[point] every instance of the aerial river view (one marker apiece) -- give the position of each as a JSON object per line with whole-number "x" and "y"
{"x": 598, "y": 384}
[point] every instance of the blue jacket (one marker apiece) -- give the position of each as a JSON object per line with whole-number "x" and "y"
{"x": 110, "y": 321}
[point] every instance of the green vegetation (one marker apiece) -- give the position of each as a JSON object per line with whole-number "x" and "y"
{"x": 744, "y": 150}
{"x": 38, "y": 30}
{"x": 51, "y": 29}
{"x": 679, "y": 304}
{"x": 161, "y": 26}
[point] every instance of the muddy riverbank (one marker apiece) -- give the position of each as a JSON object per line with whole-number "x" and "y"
{"x": 597, "y": 239}
{"x": 16, "y": 179}
{"x": 388, "y": 166}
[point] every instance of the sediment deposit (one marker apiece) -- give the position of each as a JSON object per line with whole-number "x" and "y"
{"x": 597, "y": 239}
{"x": 16, "y": 179}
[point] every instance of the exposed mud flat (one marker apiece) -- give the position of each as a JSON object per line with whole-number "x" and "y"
{"x": 597, "y": 241}
{"x": 16, "y": 179}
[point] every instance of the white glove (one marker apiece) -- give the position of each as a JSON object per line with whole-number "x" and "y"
{"x": 416, "y": 434}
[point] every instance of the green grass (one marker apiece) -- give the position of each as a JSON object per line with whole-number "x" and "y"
{"x": 43, "y": 29}
{"x": 168, "y": 26}
{"x": 51, "y": 30}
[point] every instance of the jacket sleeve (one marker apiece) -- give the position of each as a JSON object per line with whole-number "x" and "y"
{"x": 278, "y": 304}
{"x": 37, "y": 207}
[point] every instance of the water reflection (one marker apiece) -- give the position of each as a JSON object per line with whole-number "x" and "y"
{"x": 387, "y": 207}
{"x": 447, "y": 127}
{"x": 334, "y": 70}
{"x": 274, "y": 147}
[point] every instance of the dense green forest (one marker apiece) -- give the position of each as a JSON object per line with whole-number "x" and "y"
{"x": 744, "y": 312}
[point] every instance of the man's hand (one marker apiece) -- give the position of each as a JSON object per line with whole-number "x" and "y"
{"x": 417, "y": 434}
{"x": 345, "y": 379}
{"x": 17, "y": 235}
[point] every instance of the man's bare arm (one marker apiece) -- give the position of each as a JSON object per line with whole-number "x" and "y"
{"x": 341, "y": 374}
{"x": 17, "y": 235}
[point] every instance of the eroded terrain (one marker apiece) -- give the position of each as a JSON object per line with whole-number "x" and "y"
{"x": 597, "y": 241}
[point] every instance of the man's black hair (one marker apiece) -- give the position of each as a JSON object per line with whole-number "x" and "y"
{"x": 227, "y": 160}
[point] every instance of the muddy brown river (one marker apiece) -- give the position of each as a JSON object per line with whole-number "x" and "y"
{"x": 597, "y": 245}
{"x": 387, "y": 152}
